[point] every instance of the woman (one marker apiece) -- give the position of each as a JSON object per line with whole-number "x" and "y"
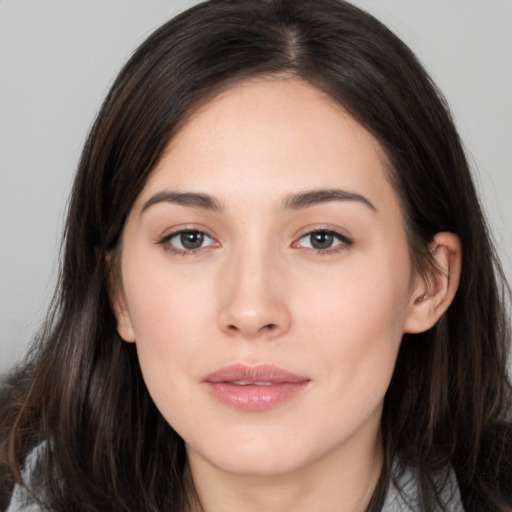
{"x": 278, "y": 290}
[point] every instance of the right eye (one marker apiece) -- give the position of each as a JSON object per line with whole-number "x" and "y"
{"x": 187, "y": 240}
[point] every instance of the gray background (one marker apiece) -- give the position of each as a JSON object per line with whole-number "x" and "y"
{"x": 58, "y": 58}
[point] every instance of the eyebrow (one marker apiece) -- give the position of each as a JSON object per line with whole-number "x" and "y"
{"x": 190, "y": 199}
{"x": 292, "y": 202}
{"x": 314, "y": 197}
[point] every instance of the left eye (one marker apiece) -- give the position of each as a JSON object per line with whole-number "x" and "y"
{"x": 322, "y": 240}
{"x": 189, "y": 240}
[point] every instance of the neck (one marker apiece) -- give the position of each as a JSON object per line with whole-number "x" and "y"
{"x": 343, "y": 481}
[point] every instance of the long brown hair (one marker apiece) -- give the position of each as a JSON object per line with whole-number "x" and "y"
{"x": 80, "y": 395}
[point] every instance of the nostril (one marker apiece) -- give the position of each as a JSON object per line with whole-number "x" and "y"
{"x": 264, "y": 328}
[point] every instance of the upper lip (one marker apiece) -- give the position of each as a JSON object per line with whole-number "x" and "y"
{"x": 258, "y": 373}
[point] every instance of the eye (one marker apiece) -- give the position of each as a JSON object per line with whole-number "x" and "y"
{"x": 323, "y": 240}
{"x": 187, "y": 240}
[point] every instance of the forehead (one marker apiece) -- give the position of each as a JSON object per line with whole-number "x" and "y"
{"x": 267, "y": 135}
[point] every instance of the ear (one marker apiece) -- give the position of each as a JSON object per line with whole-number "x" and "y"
{"x": 118, "y": 301}
{"x": 433, "y": 292}
{"x": 124, "y": 321}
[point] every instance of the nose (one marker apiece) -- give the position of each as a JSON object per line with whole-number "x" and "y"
{"x": 253, "y": 299}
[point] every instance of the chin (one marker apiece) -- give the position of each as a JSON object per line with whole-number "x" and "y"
{"x": 254, "y": 455}
{"x": 262, "y": 464}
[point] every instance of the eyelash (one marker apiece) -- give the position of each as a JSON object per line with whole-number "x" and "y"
{"x": 166, "y": 242}
{"x": 344, "y": 242}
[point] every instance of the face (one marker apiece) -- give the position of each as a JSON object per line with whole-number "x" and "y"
{"x": 266, "y": 281}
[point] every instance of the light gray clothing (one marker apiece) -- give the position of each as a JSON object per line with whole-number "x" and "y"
{"x": 403, "y": 497}
{"x": 18, "y": 502}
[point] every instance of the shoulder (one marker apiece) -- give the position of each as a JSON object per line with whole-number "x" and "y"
{"x": 22, "y": 499}
{"x": 404, "y": 493}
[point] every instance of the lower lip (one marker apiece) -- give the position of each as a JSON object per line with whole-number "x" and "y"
{"x": 255, "y": 398}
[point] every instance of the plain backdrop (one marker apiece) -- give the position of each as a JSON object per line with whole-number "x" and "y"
{"x": 58, "y": 58}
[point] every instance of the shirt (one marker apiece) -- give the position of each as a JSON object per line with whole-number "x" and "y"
{"x": 402, "y": 496}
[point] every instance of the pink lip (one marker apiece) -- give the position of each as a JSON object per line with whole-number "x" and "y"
{"x": 254, "y": 388}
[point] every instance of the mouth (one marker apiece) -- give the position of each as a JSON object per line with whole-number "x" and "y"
{"x": 254, "y": 388}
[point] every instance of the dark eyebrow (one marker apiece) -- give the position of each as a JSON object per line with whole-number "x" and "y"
{"x": 190, "y": 199}
{"x": 314, "y": 197}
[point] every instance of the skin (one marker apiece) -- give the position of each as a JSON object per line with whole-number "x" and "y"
{"x": 257, "y": 292}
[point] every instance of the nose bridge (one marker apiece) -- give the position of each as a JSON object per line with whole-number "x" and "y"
{"x": 253, "y": 303}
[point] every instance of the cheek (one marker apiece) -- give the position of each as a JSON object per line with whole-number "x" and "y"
{"x": 170, "y": 312}
{"x": 164, "y": 298}
{"x": 169, "y": 323}
{"x": 357, "y": 318}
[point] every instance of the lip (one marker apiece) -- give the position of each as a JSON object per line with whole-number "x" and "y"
{"x": 254, "y": 388}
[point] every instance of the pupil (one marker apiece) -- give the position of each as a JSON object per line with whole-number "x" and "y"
{"x": 321, "y": 240}
{"x": 191, "y": 239}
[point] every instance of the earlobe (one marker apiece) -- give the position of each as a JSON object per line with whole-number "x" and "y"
{"x": 435, "y": 290}
{"x": 124, "y": 322}
{"x": 118, "y": 302}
